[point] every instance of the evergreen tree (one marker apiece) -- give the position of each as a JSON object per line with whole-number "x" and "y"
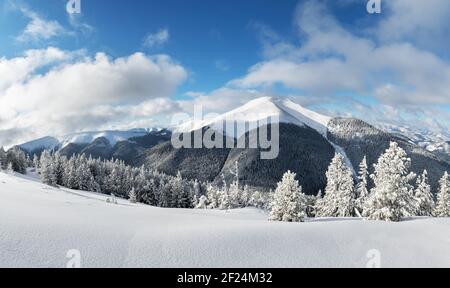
{"x": 225, "y": 200}
{"x": 257, "y": 200}
{"x": 424, "y": 198}
{"x": 202, "y": 203}
{"x": 339, "y": 199}
{"x": 214, "y": 196}
{"x": 3, "y": 163}
{"x": 289, "y": 203}
{"x": 362, "y": 192}
{"x": 392, "y": 196}
{"x": 9, "y": 168}
{"x": 132, "y": 196}
{"x": 443, "y": 197}
{"x": 70, "y": 173}
{"x": 47, "y": 169}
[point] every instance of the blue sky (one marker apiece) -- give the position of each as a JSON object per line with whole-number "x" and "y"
{"x": 144, "y": 60}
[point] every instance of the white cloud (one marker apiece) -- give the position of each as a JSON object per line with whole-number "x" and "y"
{"x": 19, "y": 68}
{"x": 218, "y": 101}
{"x": 331, "y": 59}
{"x": 39, "y": 28}
{"x": 85, "y": 93}
{"x": 157, "y": 39}
{"x": 422, "y": 22}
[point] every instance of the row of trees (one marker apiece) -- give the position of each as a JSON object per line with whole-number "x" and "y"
{"x": 143, "y": 185}
{"x": 392, "y": 197}
{"x": 114, "y": 178}
{"x": 13, "y": 160}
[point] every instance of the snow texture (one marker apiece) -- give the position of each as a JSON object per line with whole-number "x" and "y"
{"x": 40, "y": 224}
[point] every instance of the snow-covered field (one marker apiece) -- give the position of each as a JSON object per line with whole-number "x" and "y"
{"x": 39, "y": 225}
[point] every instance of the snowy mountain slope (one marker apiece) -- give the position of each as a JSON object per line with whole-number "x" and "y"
{"x": 46, "y": 143}
{"x": 260, "y": 109}
{"x": 112, "y": 136}
{"x": 40, "y": 225}
{"x": 59, "y": 142}
{"x": 433, "y": 140}
{"x": 257, "y": 112}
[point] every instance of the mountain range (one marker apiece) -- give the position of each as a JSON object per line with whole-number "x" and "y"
{"x": 308, "y": 142}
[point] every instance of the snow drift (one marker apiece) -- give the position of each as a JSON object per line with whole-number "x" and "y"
{"x": 40, "y": 224}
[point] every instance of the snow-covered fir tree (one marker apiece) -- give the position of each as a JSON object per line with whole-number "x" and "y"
{"x": 18, "y": 160}
{"x": 9, "y": 168}
{"x": 3, "y": 163}
{"x": 423, "y": 195}
{"x": 47, "y": 169}
{"x": 443, "y": 197}
{"x": 132, "y": 197}
{"x": 339, "y": 199}
{"x": 392, "y": 196}
{"x": 289, "y": 203}
{"x": 257, "y": 200}
{"x": 361, "y": 190}
{"x": 202, "y": 203}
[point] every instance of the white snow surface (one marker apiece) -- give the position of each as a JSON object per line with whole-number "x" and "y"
{"x": 40, "y": 224}
{"x": 280, "y": 110}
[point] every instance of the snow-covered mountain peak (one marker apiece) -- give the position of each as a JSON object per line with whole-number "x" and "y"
{"x": 280, "y": 110}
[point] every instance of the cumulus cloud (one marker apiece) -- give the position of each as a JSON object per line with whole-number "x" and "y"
{"x": 333, "y": 59}
{"x": 157, "y": 39}
{"x": 85, "y": 92}
{"x": 421, "y": 22}
{"x": 39, "y": 28}
{"x": 220, "y": 100}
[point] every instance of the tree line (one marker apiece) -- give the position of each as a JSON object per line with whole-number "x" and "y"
{"x": 396, "y": 192}
{"x": 392, "y": 197}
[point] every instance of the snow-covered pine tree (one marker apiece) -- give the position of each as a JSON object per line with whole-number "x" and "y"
{"x": 48, "y": 175}
{"x": 9, "y": 168}
{"x": 423, "y": 195}
{"x": 70, "y": 175}
{"x": 36, "y": 162}
{"x": 3, "y": 164}
{"x": 289, "y": 203}
{"x": 257, "y": 200}
{"x": 196, "y": 193}
{"x": 132, "y": 196}
{"x": 225, "y": 200}
{"x": 202, "y": 203}
{"x": 443, "y": 197}
{"x": 361, "y": 190}
{"x": 392, "y": 196}
{"x": 339, "y": 199}
{"x": 213, "y": 194}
